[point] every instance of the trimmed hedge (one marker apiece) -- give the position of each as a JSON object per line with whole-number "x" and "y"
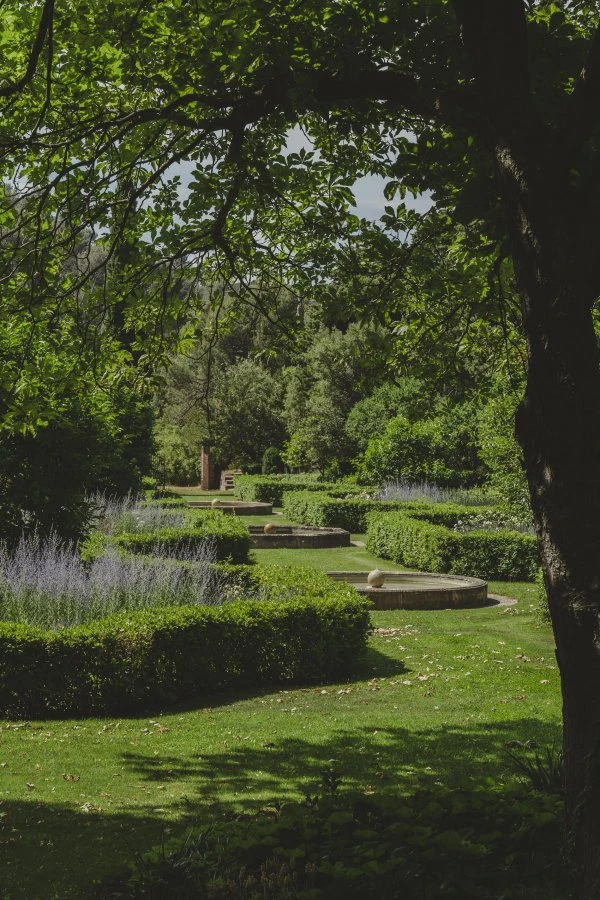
{"x": 231, "y": 537}
{"x": 325, "y": 509}
{"x": 418, "y": 544}
{"x": 156, "y": 657}
{"x": 166, "y": 502}
{"x": 273, "y": 489}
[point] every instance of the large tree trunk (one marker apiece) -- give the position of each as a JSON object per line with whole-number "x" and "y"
{"x": 554, "y": 230}
{"x": 559, "y": 429}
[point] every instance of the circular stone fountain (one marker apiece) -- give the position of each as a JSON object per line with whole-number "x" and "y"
{"x": 417, "y": 590}
{"x": 236, "y": 507}
{"x": 297, "y": 537}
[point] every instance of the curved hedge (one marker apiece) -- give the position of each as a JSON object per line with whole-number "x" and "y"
{"x": 228, "y": 533}
{"x": 325, "y": 509}
{"x": 419, "y": 544}
{"x": 161, "y": 656}
{"x": 273, "y": 490}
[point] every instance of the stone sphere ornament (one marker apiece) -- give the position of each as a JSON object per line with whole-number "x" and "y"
{"x": 375, "y": 578}
{"x": 216, "y": 502}
{"x": 269, "y": 528}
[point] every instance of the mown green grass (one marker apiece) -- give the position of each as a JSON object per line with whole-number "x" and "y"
{"x": 439, "y": 697}
{"x": 353, "y": 558}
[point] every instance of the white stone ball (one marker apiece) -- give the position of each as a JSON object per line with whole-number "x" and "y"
{"x": 375, "y": 578}
{"x": 215, "y": 502}
{"x": 269, "y": 527}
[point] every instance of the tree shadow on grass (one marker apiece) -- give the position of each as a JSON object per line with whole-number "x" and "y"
{"x": 57, "y": 851}
{"x": 392, "y": 757}
{"x": 50, "y": 851}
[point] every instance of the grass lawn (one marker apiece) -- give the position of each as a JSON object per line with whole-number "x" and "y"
{"x": 439, "y": 696}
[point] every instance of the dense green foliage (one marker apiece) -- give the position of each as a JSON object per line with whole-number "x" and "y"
{"x": 228, "y": 534}
{"x": 441, "y": 450}
{"x": 142, "y": 659}
{"x": 419, "y": 544}
{"x": 274, "y": 489}
{"x": 324, "y": 508}
{"x": 89, "y": 444}
{"x": 436, "y": 843}
{"x": 272, "y": 464}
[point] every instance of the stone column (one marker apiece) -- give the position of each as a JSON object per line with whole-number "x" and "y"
{"x": 206, "y": 469}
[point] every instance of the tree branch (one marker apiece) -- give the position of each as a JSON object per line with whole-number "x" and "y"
{"x": 494, "y": 35}
{"x": 44, "y": 29}
{"x": 581, "y": 115}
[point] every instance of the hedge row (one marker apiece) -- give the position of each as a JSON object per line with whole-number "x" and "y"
{"x": 166, "y": 502}
{"x": 273, "y": 489}
{"x": 161, "y": 656}
{"x": 230, "y": 536}
{"x": 324, "y": 509}
{"x": 418, "y": 544}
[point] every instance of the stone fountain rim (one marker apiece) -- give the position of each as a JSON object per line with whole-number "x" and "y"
{"x": 465, "y": 580}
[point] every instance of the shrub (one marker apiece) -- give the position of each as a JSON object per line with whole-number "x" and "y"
{"x": 419, "y": 544}
{"x": 441, "y": 450}
{"x": 129, "y": 515}
{"x": 326, "y": 509}
{"x": 166, "y": 655}
{"x": 230, "y": 536}
{"x": 274, "y": 489}
{"x": 166, "y": 502}
{"x": 432, "y": 844}
{"x": 272, "y": 464}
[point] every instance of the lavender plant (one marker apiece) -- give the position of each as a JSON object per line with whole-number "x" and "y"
{"x": 399, "y": 489}
{"x": 127, "y": 515}
{"x": 493, "y": 520}
{"x": 44, "y": 582}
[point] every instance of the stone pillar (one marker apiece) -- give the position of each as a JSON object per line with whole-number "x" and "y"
{"x": 207, "y": 470}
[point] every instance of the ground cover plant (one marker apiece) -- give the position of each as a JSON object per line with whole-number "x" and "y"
{"x": 131, "y": 514}
{"x": 436, "y": 843}
{"x": 402, "y": 489}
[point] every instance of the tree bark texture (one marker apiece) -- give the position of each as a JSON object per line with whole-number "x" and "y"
{"x": 556, "y": 250}
{"x": 559, "y": 429}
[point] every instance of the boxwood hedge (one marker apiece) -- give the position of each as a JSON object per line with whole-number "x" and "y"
{"x": 327, "y": 509}
{"x": 420, "y": 544}
{"x": 156, "y": 657}
{"x": 273, "y": 489}
{"x": 229, "y": 534}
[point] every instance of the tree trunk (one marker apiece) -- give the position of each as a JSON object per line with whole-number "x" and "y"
{"x": 558, "y": 427}
{"x": 554, "y": 229}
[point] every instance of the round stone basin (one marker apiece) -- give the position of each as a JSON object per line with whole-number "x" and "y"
{"x": 235, "y": 507}
{"x": 298, "y": 537}
{"x": 418, "y": 590}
